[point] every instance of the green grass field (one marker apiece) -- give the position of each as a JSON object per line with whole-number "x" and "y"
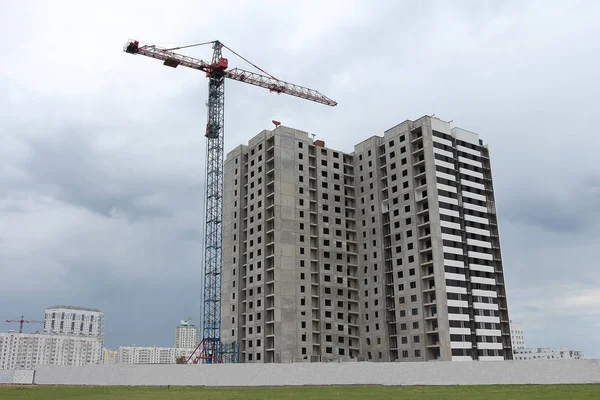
{"x": 504, "y": 392}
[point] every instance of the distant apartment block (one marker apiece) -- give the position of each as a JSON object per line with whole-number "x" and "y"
{"x": 545, "y": 353}
{"x": 72, "y": 320}
{"x": 151, "y": 354}
{"x": 186, "y": 335}
{"x": 388, "y": 253}
{"x": 72, "y": 336}
{"x": 27, "y": 350}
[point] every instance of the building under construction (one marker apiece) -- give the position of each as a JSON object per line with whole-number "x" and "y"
{"x": 388, "y": 253}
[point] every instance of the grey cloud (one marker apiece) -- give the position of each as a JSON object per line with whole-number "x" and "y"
{"x": 561, "y": 210}
{"x": 587, "y": 279}
{"x": 12, "y": 208}
{"x": 67, "y": 166}
{"x": 546, "y": 213}
{"x": 530, "y": 309}
{"x": 172, "y": 295}
{"x": 593, "y": 184}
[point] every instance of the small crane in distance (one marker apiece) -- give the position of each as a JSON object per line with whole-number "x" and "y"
{"x": 24, "y": 321}
{"x": 212, "y": 350}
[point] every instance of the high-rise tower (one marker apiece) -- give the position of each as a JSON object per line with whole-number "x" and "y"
{"x": 387, "y": 253}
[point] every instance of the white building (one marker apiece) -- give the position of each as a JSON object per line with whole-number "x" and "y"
{"x": 70, "y": 320}
{"x": 517, "y": 335}
{"x": 186, "y": 335}
{"x": 545, "y": 353}
{"x": 27, "y": 350}
{"x": 151, "y": 354}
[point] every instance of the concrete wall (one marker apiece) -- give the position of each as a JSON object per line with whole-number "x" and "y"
{"x": 362, "y": 373}
{"x": 16, "y": 376}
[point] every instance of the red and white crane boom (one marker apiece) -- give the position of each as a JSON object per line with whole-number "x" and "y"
{"x": 172, "y": 59}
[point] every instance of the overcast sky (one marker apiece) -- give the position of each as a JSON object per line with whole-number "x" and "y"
{"x": 102, "y": 153}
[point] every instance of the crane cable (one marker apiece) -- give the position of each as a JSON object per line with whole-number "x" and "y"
{"x": 191, "y": 45}
{"x": 237, "y": 54}
{"x": 249, "y": 62}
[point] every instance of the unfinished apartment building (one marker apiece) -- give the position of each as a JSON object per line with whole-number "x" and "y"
{"x": 290, "y": 251}
{"x": 390, "y": 253}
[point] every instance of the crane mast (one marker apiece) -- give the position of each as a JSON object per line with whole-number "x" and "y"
{"x": 213, "y": 254}
{"x": 212, "y": 350}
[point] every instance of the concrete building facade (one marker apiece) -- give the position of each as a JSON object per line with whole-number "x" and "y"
{"x": 387, "y": 253}
{"x": 290, "y": 280}
{"x": 28, "y": 350}
{"x": 186, "y": 335}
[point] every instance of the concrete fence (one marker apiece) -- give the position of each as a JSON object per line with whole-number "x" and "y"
{"x": 357, "y": 373}
{"x": 16, "y": 376}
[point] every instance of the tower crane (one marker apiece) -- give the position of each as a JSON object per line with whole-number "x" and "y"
{"x": 211, "y": 348}
{"x": 24, "y": 321}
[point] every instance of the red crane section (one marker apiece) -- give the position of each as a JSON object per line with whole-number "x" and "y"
{"x": 171, "y": 59}
{"x": 24, "y": 321}
{"x": 278, "y": 86}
